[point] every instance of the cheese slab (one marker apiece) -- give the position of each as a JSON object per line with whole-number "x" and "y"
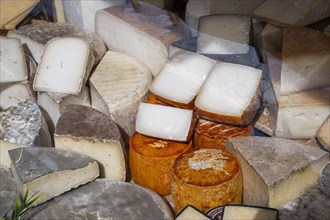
{"x": 13, "y": 93}
{"x": 325, "y": 180}
{"x": 275, "y": 170}
{"x": 49, "y": 172}
{"x": 190, "y": 212}
{"x": 117, "y": 86}
{"x": 238, "y": 212}
{"x": 107, "y": 199}
{"x": 8, "y": 190}
{"x": 90, "y": 132}
{"x": 152, "y": 27}
{"x": 323, "y": 134}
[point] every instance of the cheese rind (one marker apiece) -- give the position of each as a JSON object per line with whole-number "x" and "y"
{"x": 8, "y": 190}
{"x": 323, "y": 134}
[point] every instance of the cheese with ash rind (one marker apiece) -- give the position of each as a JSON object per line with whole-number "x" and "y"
{"x": 239, "y": 212}
{"x": 8, "y": 191}
{"x": 191, "y": 213}
{"x": 13, "y": 93}
{"x": 323, "y": 134}
{"x": 107, "y": 199}
{"x": 90, "y": 132}
{"x": 12, "y": 61}
{"x": 49, "y": 172}
{"x": 275, "y": 170}
{"x": 117, "y": 86}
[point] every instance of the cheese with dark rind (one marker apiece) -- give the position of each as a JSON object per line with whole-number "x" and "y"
{"x": 8, "y": 191}
{"x": 191, "y": 213}
{"x": 325, "y": 180}
{"x": 323, "y": 134}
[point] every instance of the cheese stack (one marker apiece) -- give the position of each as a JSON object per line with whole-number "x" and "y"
{"x": 206, "y": 178}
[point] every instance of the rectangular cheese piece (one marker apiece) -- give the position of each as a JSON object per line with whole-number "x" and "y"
{"x": 237, "y": 212}
{"x": 271, "y": 39}
{"x": 12, "y": 61}
{"x": 276, "y": 171}
{"x": 323, "y": 133}
{"x": 13, "y": 93}
{"x": 191, "y": 213}
{"x": 152, "y": 27}
{"x": 300, "y": 13}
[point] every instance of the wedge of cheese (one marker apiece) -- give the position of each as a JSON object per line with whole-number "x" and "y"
{"x": 8, "y": 191}
{"x": 272, "y": 39}
{"x": 12, "y": 61}
{"x": 90, "y": 132}
{"x": 230, "y": 94}
{"x": 239, "y": 212}
{"x": 152, "y": 27}
{"x": 275, "y": 170}
{"x": 190, "y": 212}
{"x": 13, "y": 93}
{"x": 323, "y": 134}
{"x": 181, "y": 78}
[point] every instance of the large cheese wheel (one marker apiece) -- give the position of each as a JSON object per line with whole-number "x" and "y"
{"x": 206, "y": 178}
{"x": 152, "y": 159}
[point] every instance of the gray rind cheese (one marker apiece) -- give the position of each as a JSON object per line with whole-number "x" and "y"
{"x": 106, "y": 199}
{"x": 275, "y": 170}
{"x": 325, "y": 180}
{"x": 50, "y": 172}
{"x": 8, "y": 190}
{"x": 323, "y": 134}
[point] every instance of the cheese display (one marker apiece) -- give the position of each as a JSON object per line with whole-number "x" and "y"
{"x": 165, "y": 122}
{"x": 13, "y": 93}
{"x": 190, "y": 212}
{"x": 206, "y": 178}
{"x": 223, "y": 34}
{"x": 272, "y": 167}
{"x": 8, "y": 190}
{"x": 12, "y": 61}
{"x": 180, "y": 79}
{"x": 210, "y": 134}
{"x": 272, "y": 38}
{"x": 21, "y": 125}
{"x": 237, "y": 212}
{"x": 323, "y": 134}
{"x": 300, "y": 13}
{"x": 152, "y": 27}
{"x": 90, "y": 132}
{"x": 306, "y": 60}
{"x": 49, "y": 172}
{"x": 152, "y": 159}
{"x": 226, "y": 98}
{"x": 107, "y": 199}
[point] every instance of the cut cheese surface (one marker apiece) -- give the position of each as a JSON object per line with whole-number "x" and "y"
{"x": 323, "y": 134}
{"x": 236, "y": 212}
{"x": 8, "y": 190}
{"x": 191, "y": 213}
{"x": 13, "y": 93}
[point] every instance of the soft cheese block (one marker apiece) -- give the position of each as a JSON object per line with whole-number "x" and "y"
{"x": 117, "y": 86}
{"x": 13, "y": 93}
{"x": 12, "y": 61}
{"x": 181, "y": 78}
{"x": 191, "y": 213}
{"x": 276, "y": 171}
{"x": 8, "y": 191}
{"x": 223, "y": 34}
{"x": 152, "y": 159}
{"x": 49, "y": 172}
{"x": 90, "y": 132}
{"x": 230, "y": 94}
{"x": 239, "y": 212}
{"x": 323, "y": 134}
{"x": 152, "y": 27}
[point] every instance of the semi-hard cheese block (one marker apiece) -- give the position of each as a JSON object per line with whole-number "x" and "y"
{"x": 13, "y": 93}
{"x": 239, "y": 212}
{"x": 191, "y": 213}
{"x": 90, "y": 132}
{"x": 12, "y": 61}
{"x": 276, "y": 171}
{"x": 152, "y": 159}
{"x": 306, "y": 60}
{"x": 107, "y": 199}
{"x": 117, "y": 86}
{"x": 206, "y": 178}
{"x": 8, "y": 191}
{"x": 152, "y": 27}
{"x": 223, "y": 34}
{"x": 210, "y": 134}
{"x": 230, "y": 94}
{"x": 165, "y": 122}
{"x": 181, "y": 78}
{"x": 271, "y": 39}
{"x": 323, "y": 134}
{"x": 49, "y": 172}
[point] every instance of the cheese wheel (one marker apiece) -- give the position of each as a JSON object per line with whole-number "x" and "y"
{"x": 206, "y": 178}
{"x": 152, "y": 159}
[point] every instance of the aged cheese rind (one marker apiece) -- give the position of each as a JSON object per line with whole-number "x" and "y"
{"x": 325, "y": 180}
{"x": 323, "y": 134}
{"x": 50, "y": 172}
{"x": 272, "y": 167}
{"x": 236, "y": 212}
{"x": 13, "y": 93}
{"x": 8, "y": 190}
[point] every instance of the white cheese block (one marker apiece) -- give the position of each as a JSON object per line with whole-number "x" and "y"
{"x": 90, "y": 132}
{"x": 191, "y": 213}
{"x": 117, "y": 86}
{"x": 13, "y": 93}
{"x": 300, "y": 13}
{"x": 276, "y": 171}
{"x": 230, "y": 94}
{"x": 12, "y": 61}
{"x": 239, "y": 212}
{"x": 152, "y": 29}
{"x": 306, "y": 60}
{"x": 8, "y": 191}
{"x": 180, "y": 79}
{"x": 107, "y": 199}
{"x": 323, "y": 133}
{"x": 223, "y": 34}
{"x": 165, "y": 122}
{"x": 271, "y": 39}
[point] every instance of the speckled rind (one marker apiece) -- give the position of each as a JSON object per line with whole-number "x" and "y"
{"x": 7, "y": 190}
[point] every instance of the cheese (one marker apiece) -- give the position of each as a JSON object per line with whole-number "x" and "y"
{"x": 223, "y": 34}
{"x": 323, "y": 134}
{"x": 13, "y": 93}
{"x": 8, "y": 191}
{"x": 117, "y": 86}
{"x": 152, "y": 28}
{"x": 306, "y": 60}
{"x": 300, "y": 13}
{"x": 180, "y": 79}
{"x": 276, "y": 171}
{"x": 88, "y": 131}
{"x": 49, "y": 172}
{"x": 165, "y": 122}
{"x": 206, "y": 178}
{"x": 272, "y": 38}
{"x": 232, "y": 212}
{"x": 12, "y": 61}
{"x": 107, "y": 199}
{"x": 230, "y": 94}
{"x": 152, "y": 159}
{"x": 325, "y": 180}
{"x": 191, "y": 213}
